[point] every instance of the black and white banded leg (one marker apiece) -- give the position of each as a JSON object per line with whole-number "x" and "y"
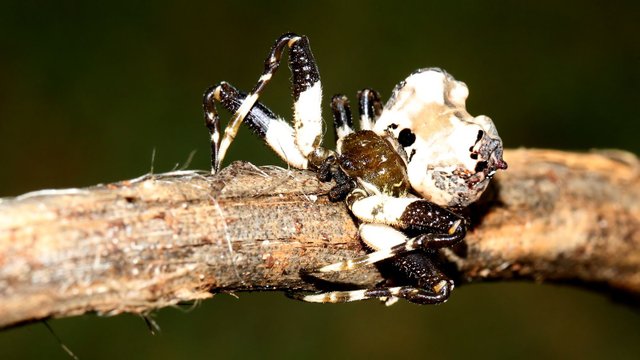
{"x": 260, "y": 120}
{"x": 342, "y": 120}
{"x": 370, "y": 108}
{"x": 383, "y": 215}
{"x": 387, "y": 242}
{"x": 430, "y": 285}
{"x": 292, "y": 144}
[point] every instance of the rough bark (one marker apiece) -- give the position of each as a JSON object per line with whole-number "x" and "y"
{"x": 154, "y": 241}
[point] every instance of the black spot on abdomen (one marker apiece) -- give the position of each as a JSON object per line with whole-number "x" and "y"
{"x": 406, "y": 137}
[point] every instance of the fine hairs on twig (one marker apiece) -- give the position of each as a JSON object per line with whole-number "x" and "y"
{"x": 60, "y": 342}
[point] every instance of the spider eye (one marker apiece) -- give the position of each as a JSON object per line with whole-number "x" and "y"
{"x": 406, "y": 137}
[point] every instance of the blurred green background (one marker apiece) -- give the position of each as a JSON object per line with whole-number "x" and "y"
{"x": 88, "y": 91}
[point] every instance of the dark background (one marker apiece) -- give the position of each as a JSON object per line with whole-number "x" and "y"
{"x": 87, "y": 92}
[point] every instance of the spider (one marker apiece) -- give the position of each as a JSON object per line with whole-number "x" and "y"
{"x": 412, "y": 163}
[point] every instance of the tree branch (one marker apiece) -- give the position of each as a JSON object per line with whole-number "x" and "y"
{"x": 154, "y": 241}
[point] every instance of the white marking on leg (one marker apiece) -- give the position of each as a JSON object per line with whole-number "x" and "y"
{"x": 307, "y": 114}
{"x": 381, "y": 236}
{"x": 381, "y": 208}
{"x": 280, "y": 138}
{"x": 356, "y": 295}
{"x": 337, "y": 296}
{"x": 216, "y": 91}
{"x": 454, "y": 227}
{"x": 293, "y": 41}
{"x": 366, "y": 123}
{"x": 410, "y": 245}
{"x": 246, "y": 106}
{"x": 317, "y": 298}
{"x": 395, "y": 291}
{"x": 343, "y": 131}
{"x": 215, "y": 136}
{"x": 265, "y": 77}
{"x": 339, "y": 266}
{"x": 232, "y": 129}
{"x": 439, "y": 286}
{"x": 391, "y": 300}
{"x": 351, "y": 264}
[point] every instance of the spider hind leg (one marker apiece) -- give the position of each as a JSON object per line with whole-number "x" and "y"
{"x": 414, "y": 258}
{"x": 388, "y": 218}
{"x": 388, "y": 242}
{"x": 430, "y": 285}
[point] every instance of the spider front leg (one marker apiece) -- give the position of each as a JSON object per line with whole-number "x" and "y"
{"x": 307, "y": 94}
{"x": 275, "y": 131}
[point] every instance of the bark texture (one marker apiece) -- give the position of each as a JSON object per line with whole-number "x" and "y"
{"x": 141, "y": 244}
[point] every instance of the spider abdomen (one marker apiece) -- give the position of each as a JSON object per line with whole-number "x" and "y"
{"x": 367, "y": 156}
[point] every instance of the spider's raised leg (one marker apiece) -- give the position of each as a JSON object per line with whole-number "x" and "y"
{"x": 259, "y": 119}
{"x": 370, "y": 108}
{"x": 307, "y": 94}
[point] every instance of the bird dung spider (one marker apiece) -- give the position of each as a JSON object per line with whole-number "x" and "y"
{"x": 412, "y": 162}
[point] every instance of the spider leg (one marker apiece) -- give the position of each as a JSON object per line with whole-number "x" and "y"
{"x": 370, "y": 108}
{"x": 409, "y": 214}
{"x": 431, "y": 285}
{"x": 276, "y": 131}
{"x": 410, "y": 293}
{"x": 379, "y": 237}
{"x": 326, "y": 164}
{"x": 342, "y": 120}
{"x": 307, "y": 94}
{"x": 437, "y": 228}
{"x": 388, "y": 242}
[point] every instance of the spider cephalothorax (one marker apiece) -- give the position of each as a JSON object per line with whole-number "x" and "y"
{"x": 412, "y": 161}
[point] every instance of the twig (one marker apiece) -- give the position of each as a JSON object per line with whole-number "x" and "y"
{"x": 158, "y": 240}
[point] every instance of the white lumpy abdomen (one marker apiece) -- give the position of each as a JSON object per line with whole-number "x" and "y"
{"x": 443, "y": 160}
